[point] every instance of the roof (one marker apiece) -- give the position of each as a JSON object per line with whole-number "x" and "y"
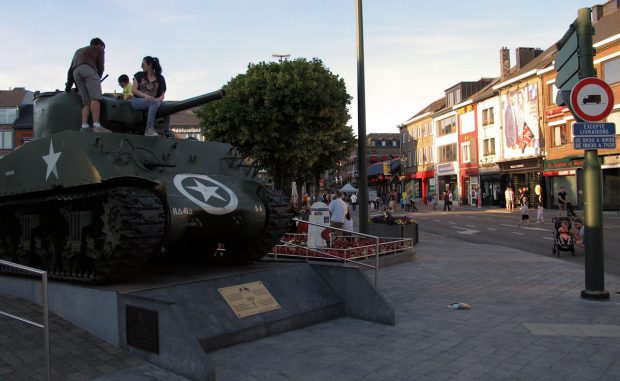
{"x": 25, "y": 120}
{"x": 432, "y": 108}
{"x": 607, "y": 26}
{"x": 185, "y": 118}
{"x": 13, "y": 98}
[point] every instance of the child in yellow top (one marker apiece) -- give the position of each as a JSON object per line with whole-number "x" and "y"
{"x": 123, "y": 81}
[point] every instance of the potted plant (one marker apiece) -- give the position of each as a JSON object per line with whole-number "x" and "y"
{"x": 387, "y": 225}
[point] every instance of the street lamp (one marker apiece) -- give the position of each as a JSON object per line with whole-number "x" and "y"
{"x": 280, "y": 56}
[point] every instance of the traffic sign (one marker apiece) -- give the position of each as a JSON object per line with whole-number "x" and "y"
{"x": 594, "y": 142}
{"x": 594, "y": 129}
{"x": 591, "y": 99}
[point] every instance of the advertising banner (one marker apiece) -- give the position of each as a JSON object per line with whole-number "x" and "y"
{"x": 520, "y": 120}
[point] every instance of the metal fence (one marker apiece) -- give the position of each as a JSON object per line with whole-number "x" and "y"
{"x": 381, "y": 246}
{"x": 45, "y": 325}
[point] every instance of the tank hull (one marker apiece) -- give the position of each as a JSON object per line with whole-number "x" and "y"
{"x": 191, "y": 196}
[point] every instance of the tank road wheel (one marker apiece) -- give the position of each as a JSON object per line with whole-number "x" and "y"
{"x": 132, "y": 230}
{"x": 9, "y": 237}
{"x": 46, "y": 249}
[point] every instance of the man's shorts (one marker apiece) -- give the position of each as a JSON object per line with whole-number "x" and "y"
{"x": 88, "y": 83}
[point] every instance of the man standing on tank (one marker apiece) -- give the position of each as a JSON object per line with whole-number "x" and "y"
{"x": 86, "y": 70}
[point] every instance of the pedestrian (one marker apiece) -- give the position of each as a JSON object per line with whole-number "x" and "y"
{"x": 86, "y": 69}
{"x": 149, "y": 90}
{"x": 510, "y": 197}
{"x": 562, "y": 201}
{"x": 348, "y": 221}
{"x": 524, "y": 213}
{"x": 337, "y": 212}
{"x": 479, "y": 198}
{"x": 354, "y": 201}
{"x": 123, "y": 82}
{"x": 540, "y": 219}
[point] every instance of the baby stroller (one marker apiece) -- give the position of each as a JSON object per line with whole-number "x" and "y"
{"x": 563, "y": 238}
{"x": 570, "y": 211}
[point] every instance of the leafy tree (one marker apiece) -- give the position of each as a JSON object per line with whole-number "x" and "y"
{"x": 289, "y": 115}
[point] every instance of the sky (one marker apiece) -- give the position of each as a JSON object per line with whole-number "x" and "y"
{"x": 413, "y": 50}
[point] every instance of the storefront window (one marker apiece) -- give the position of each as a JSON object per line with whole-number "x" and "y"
{"x": 447, "y": 153}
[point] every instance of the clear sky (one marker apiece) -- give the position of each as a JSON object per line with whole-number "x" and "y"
{"x": 414, "y": 50}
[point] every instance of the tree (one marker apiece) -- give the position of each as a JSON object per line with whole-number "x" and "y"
{"x": 289, "y": 115}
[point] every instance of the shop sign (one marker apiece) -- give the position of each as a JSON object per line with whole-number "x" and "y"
{"x": 564, "y": 163}
{"x": 445, "y": 168}
{"x": 555, "y": 111}
{"x": 515, "y": 166}
{"x": 463, "y": 110}
{"x": 567, "y": 172}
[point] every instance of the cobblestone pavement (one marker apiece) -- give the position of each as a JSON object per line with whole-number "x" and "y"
{"x": 526, "y": 322}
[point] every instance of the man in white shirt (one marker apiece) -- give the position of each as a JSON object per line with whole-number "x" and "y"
{"x": 354, "y": 200}
{"x": 337, "y": 212}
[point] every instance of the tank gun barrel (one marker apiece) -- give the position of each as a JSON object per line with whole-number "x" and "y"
{"x": 172, "y": 107}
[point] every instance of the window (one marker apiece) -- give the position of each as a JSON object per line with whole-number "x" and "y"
{"x": 450, "y": 99}
{"x": 488, "y": 147}
{"x": 8, "y": 115}
{"x": 430, "y": 154}
{"x": 611, "y": 71}
{"x": 446, "y": 153}
{"x": 446, "y": 126}
{"x": 559, "y": 135}
{"x": 425, "y": 157}
{"x": 552, "y": 92}
{"x": 430, "y": 130}
{"x": 420, "y": 156}
{"x": 465, "y": 152}
{"x": 404, "y": 137}
{"x": 394, "y": 143}
{"x": 383, "y": 143}
{"x": 424, "y": 129}
{"x": 6, "y": 139}
{"x": 487, "y": 116}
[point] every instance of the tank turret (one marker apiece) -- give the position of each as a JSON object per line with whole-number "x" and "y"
{"x": 59, "y": 111}
{"x": 94, "y": 207}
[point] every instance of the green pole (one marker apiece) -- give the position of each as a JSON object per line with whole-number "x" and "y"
{"x": 592, "y": 192}
{"x": 362, "y": 179}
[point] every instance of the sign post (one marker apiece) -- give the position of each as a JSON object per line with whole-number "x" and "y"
{"x": 586, "y": 103}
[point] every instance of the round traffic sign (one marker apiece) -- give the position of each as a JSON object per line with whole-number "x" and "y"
{"x": 592, "y": 99}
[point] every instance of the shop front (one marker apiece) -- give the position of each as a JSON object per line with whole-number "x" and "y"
{"x": 426, "y": 184}
{"x": 562, "y": 173}
{"x": 447, "y": 180}
{"x": 523, "y": 176}
{"x": 490, "y": 186}
{"x": 470, "y": 184}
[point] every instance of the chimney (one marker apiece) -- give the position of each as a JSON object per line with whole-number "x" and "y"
{"x": 597, "y": 12}
{"x": 504, "y": 62}
{"x": 526, "y": 55}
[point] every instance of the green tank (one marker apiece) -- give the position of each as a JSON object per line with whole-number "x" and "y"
{"x": 94, "y": 207}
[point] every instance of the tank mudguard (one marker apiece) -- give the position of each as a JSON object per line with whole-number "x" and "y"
{"x": 214, "y": 206}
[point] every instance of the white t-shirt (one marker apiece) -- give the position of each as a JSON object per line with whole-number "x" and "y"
{"x": 348, "y": 224}
{"x": 353, "y": 199}
{"x": 338, "y": 210}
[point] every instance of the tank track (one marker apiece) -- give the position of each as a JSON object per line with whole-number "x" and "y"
{"x": 126, "y": 228}
{"x": 252, "y": 250}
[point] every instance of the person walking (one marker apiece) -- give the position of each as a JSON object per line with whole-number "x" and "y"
{"x": 510, "y": 197}
{"x": 354, "y": 201}
{"x": 540, "y": 219}
{"x": 86, "y": 69}
{"x": 562, "y": 201}
{"x": 524, "y": 213}
{"x": 337, "y": 212}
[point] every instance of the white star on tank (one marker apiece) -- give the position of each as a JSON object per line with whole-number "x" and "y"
{"x": 207, "y": 192}
{"x": 51, "y": 159}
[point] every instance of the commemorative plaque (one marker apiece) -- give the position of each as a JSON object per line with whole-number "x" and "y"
{"x": 141, "y": 328}
{"x": 249, "y": 299}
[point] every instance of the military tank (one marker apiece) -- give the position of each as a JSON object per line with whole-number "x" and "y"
{"x": 93, "y": 207}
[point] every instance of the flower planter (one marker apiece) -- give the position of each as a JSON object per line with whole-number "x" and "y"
{"x": 396, "y": 231}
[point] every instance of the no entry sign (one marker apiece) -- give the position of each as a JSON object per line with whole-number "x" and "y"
{"x": 592, "y": 99}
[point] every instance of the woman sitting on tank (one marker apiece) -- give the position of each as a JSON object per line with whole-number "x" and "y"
{"x": 149, "y": 89}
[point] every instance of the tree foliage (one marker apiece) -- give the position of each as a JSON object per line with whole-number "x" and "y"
{"x": 289, "y": 115}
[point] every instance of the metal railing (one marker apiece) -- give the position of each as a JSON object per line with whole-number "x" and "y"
{"x": 402, "y": 244}
{"x": 45, "y": 325}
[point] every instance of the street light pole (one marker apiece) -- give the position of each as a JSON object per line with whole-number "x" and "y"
{"x": 361, "y": 124}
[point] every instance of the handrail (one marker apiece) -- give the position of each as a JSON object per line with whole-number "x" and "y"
{"x": 376, "y": 239}
{"x": 45, "y": 325}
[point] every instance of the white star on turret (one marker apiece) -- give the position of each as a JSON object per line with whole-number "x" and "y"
{"x": 50, "y": 159}
{"x": 207, "y": 192}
